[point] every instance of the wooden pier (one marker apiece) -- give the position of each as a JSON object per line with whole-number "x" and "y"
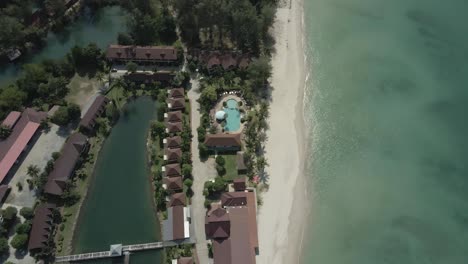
{"x": 126, "y": 250}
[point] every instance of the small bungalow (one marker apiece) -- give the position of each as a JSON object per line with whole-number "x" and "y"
{"x": 174, "y": 116}
{"x": 41, "y": 227}
{"x": 142, "y": 54}
{"x": 240, "y": 160}
{"x": 174, "y": 127}
{"x": 173, "y": 183}
{"x": 171, "y": 170}
{"x": 177, "y": 199}
{"x": 221, "y": 60}
{"x": 172, "y": 155}
{"x": 177, "y": 224}
{"x": 172, "y": 142}
{"x": 182, "y": 260}
{"x": 97, "y": 108}
{"x": 239, "y": 184}
{"x": 65, "y": 165}
{"x": 175, "y": 104}
{"x": 223, "y": 142}
{"x": 24, "y": 129}
{"x": 176, "y": 93}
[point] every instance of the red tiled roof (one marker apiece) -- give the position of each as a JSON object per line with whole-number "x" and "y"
{"x": 174, "y": 183}
{"x": 176, "y": 93}
{"x": 234, "y": 199}
{"x": 223, "y": 140}
{"x": 217, "y": 224}
{"x": 174, "y": 116}
{"x": 154, "y": 53}
{"x": 178, "y": 222}
{"x": 172, "y": 170}
{"x": 239, "y": 184}
{"x": 22, "y": 132}
{"x": 11, "y": 119}
{"x": 173, "y": 142}
{"x": 174, "y": 127}
{"x": 173, "y": 155}
{"x": 41, "y": 227}
{"x": 185, "y": 260}
{"x": 176, "y": 103}
{"x": 94, "y": 111}
{"x": 177, "y": 199}
{"x": 65, "y": 165}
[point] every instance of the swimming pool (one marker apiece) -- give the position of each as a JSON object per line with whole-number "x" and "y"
{"x": 233, "y": 115}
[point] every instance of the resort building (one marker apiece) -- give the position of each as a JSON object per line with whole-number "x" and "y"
{"x": 172, "y": 155}
{"x": 233, "y": 229}
{"x": 239, "y": 184}
{"x": 183, "y": 260}
{"x": 65, "y": 165}
{"x": 177, "y": 224}
{"x": 214, "y": 60}
{"x": 223, "y": 142}
{"x": 174, "y": 116}
{"x": 147, "y": 77}
{"x": 173, "y": 183}
{"x": 97, "y": 108}
{"x": 142, "y": 54}
{"x": 171, "y": 170}
{"x": 177, "y": 199}
{"x": 41, "y": 227}
{"x": 240, "y": 162}
{"x": 175, "y": 127}
{"x": 176, "y": 93}
{"x": 175, "y": 104}
{"x": 24, "y": 131}
{"x": 172, "y": 142}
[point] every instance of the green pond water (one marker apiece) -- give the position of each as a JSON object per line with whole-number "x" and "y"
{"x": 387, "y": 100}
{"x": 119, "y": 207}
{"x": 101, "y": 28}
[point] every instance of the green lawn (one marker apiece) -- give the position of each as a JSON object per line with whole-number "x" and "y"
{"x": 231, "y": 167}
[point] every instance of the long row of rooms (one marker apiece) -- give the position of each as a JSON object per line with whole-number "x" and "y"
{"x": 24, "y": 130}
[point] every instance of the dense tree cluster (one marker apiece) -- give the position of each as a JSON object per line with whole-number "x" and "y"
{"x": 46, "y": 83}
{"x": 149, "y": 23}
{"x": 244, "y": 23}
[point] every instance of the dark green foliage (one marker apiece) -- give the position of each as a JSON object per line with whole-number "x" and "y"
{"x": 220, "y": 160}
{"x": 131, "y": 67}
{"x": 27, "y": 213}
{"x": 124, "y": 39}
{"x": 186, "y": 170}
{"x": 66, "y": 114}
{"x": 203, "y": 150}
{"x": 4, "y": 247}
{"x": 158, "y": 129}
{"x": 201, "y": 131}
{"x": 4, "y": 132}
{"x": 19, "y": 241}
{"x": 23, "y": 228}
{"x": 220, "y": 169}
{"x": 9, "y": 216}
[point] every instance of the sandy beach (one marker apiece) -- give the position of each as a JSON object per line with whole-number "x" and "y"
{"x": 282, "y": 215}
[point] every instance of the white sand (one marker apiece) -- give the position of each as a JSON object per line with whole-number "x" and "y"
{"x": 281, "y": 217}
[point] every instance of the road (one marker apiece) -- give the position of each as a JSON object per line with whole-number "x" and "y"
{"x": 202, "y": 172}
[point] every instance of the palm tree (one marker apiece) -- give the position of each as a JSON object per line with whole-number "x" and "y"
{"x": 33, "y": 171}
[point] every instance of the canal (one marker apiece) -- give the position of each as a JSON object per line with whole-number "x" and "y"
{"x": 119, "y": 206}
{"x": 101, "y": 27}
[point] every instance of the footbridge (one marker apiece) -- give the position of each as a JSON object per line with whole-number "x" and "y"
{"x": 119, "y": 250}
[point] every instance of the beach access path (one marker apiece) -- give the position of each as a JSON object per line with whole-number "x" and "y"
{"x": 281, "y": 217}
{"x": 202, "y": 172}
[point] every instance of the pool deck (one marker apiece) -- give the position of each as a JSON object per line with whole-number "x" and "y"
{"x": 219, "y": 106}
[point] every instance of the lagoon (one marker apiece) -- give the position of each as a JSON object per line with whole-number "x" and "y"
{"x": 119, "y": 208}
{"x": 101, "y": 27}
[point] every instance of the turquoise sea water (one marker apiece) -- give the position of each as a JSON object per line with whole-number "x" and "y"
{"x": 387, "y": 97}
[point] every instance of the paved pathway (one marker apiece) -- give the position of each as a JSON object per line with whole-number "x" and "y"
{"x": 202, "y": 172}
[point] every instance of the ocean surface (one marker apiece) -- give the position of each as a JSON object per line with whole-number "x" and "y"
{"x": 387, "y": 104}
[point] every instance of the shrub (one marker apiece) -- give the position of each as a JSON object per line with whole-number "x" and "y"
{"x": 27, "y": 213}
{"x": 186, "y": 170}
{"x": 56, "y": 155}
{"x": 203, "y": 150}
{"x": 201, "y": 131}
{"x": 4, "y": 246}
{"x": 188, "y": 183}
{"x": 19, "y": 241}
{"x": 221, "y": 170}
{"x": 9, "y": 215}
{"x": 220, "y": 160}
{"x": 23, "y": 228}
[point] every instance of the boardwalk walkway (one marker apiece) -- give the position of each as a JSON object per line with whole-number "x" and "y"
{"x": 125, "y": 249}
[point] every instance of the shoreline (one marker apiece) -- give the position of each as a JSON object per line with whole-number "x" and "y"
{"x": 280, "y": 240}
